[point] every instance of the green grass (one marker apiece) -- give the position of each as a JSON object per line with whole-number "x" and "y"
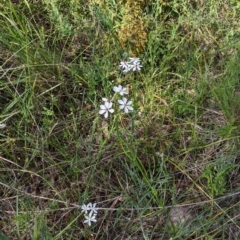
{"x": 167, "y": 170}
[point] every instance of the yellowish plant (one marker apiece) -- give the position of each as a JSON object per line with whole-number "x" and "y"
{"x": 131, "y": 30}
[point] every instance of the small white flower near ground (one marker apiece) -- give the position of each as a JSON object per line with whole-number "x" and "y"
{"x": 90, "y": 218}
{"x": 90, "y": 212}
{"x": 106, "y": 108}
{"x": 85, "y": 208}
{"x": 133, "y": 64}
{"x": 124, "y": 65}
{"x": 136, "y": 66}
{"x": 121, "y": 90}
{"x": 92, "y": 208}
{"x": 125, "y": 105}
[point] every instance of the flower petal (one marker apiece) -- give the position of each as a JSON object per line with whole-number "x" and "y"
{"x": 117, "y": 88}
{"x": 103, "y": 107}
{"x": 109, "y": 105}
{"x": 102, "y": 111}
{"x": 124, "y": 100}
{"x": 120, "y": 102}
{"x": 106, "y": 114}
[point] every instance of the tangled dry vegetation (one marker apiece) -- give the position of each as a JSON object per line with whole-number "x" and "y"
{"x": 167, "y": 170}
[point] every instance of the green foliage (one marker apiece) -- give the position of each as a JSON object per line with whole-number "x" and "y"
{"x": 3, "y": 236}
{"x": 216, "y": 176}
{"x": 226, "y": 88}
{"x": 146, "y": 170}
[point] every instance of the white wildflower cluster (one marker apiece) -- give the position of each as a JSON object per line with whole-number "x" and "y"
{"x": 124, "y": 104}
{"x": 132, "y": 64}
{"x": 90, "y": 213}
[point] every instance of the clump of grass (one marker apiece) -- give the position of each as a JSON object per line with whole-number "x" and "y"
{"x": 167, "y": 169}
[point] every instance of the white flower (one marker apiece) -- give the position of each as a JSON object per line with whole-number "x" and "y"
{"x": 90, "y": 218}
{"x": 125, "y": 105}
{"x": 124, "y": 65}
{"x": 136, "y": 66}
{"x": 92, "y": 208}
{"x": 85, "y": 208}
{"x": 106, "y": 108}
{"x": 119, "y": 89}
{"x": 127, "y": 69}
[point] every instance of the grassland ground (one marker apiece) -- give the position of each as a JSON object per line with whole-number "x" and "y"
{"x": 169, "y": 168}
